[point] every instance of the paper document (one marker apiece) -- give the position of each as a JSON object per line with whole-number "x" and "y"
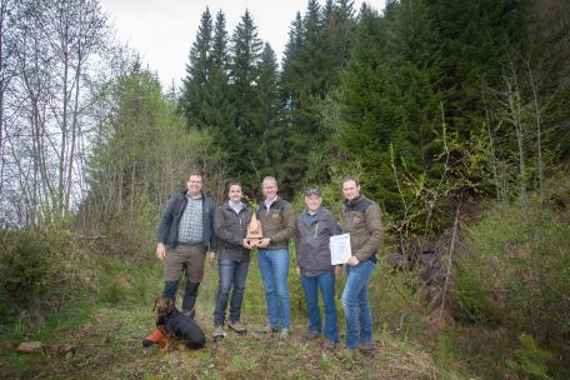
{"x": 340, "y": 249}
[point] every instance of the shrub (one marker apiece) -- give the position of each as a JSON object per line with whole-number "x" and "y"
{"x": 530, "y": 359}
{"x": 518, "y": 274}
{"x": 24, "y": 269}
{"x": 31, "y": 272}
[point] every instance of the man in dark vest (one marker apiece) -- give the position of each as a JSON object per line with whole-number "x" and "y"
{"x": 361, "y": 219}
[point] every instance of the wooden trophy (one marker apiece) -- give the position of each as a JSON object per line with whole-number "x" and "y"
{"x": 254, "y": 231}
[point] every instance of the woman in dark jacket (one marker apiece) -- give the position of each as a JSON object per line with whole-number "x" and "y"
{"x": 230, "y": 225}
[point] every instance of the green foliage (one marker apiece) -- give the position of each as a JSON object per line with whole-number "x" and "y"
{"x": 531, "y": 360}
{"x": 123, "y": 283}
{"x": 198, "y": 71}
{"x": 25, "y": 270}
{"x": 517, "y": 274}
{"x": 475, "y": 39}
{"x": 390, "y": 102}
{"x": 317, "y": 51}
{"x": 35, "y": 273}
{"x": 144, "y": 155}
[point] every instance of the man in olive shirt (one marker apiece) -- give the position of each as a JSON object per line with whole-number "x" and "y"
{"x": 278, "y": 224}
{"x": 362, "y": 220}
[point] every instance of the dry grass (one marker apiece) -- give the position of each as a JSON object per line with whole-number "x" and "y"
{"x": 109, "y": 347}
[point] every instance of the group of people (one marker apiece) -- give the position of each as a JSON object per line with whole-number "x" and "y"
{"x": 192, "y": 228}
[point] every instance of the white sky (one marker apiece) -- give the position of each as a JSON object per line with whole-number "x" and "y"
{"x": 162, "y": 31}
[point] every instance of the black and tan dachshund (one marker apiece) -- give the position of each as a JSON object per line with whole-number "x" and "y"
{"x": 171, "y": 323}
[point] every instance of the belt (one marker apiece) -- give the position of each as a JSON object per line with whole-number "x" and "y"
{"x": 190, "y": 243}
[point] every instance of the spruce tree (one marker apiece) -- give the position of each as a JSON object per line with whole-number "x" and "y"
{"x": 244, "y": 77}
{"x": 218, "y": 107}
{"x": 306, "y": 83}
{"x": 268, "y": 115}
{"x": 197, "y": 73}
{"x": 476, "y": 37}
{"x": 289, "y": 79}
{"x": 390, "y": 98}
{"x": 339, "y": 29}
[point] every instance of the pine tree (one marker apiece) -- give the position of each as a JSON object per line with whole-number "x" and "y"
{"x": 244, "y": 78}
{"x": 476, "y": 37}
{"x": 290, "y": 70}
{"x": 197, "y": 73}
{"x": 218, "y": 107}
{"x": 389, "y": 96}
{"x": 306, "y": 73}
{"x": 339, "y": 28}
{"x": 268, "y": 116}
{"x": 220, "y": 53}
{"x": 289, "y": 95}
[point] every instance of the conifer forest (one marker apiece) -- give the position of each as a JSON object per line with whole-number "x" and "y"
{"x": 452, "y": 115}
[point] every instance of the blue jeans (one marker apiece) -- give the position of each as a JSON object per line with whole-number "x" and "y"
{"x": 355, "y": 303}
{"x": 274, "y": 267}
{"x": 231, "y": 278}
{"x": 326, "y": 283}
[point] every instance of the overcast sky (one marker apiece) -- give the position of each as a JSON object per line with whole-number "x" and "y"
{"x": 162, "y": 31}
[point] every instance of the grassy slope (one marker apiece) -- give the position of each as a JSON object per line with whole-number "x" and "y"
{"x": 106, "y": 341}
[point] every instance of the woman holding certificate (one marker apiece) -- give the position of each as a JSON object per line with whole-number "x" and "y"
{"x": 313, "y": 230}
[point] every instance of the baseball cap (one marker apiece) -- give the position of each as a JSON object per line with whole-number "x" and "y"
{"x": 312, "y": 191}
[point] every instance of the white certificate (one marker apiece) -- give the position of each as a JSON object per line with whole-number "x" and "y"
{"x": 340, "y": 249}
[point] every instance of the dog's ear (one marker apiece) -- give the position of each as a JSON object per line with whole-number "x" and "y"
{"x": 169, "y": 303}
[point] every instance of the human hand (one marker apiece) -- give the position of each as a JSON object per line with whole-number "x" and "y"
{"x": 353, "y": 261}
{"x": 263, "y": 243}
{"x": 161, "y": 251}
{"x": 298, "y": 270}
{"x": 246, "y": 243}
{"x": 338, "y": 270}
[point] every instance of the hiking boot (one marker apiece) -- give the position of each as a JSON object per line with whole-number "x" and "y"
{"x": 218, "y": 333}
{"x": 310, "y": 335}
{"x": 284, "y": 334}
{"x": 329, "y": 345}
{"x": 348, "y": 354}
{"x": 271, "y": 330}
{"x": 367, "y": 348}
{"x": 238, "y": 327}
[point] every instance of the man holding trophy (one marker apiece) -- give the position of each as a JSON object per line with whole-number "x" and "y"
{"x": 278, "y": 221}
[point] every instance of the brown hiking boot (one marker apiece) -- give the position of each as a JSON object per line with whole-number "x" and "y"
{"x": 367, "y": 348}
{"x": 238, "y": 327}
{"x": 270, "y": 330}
{"x": 329, "y": 345}
{"x": 310, "y": 335}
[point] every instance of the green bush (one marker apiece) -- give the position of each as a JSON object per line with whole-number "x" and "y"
{"x": 30, "y": 272}
{"x": 530, "y": 359}
{"x": 24, "y": 269}
{"x": 518, "y": 274}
